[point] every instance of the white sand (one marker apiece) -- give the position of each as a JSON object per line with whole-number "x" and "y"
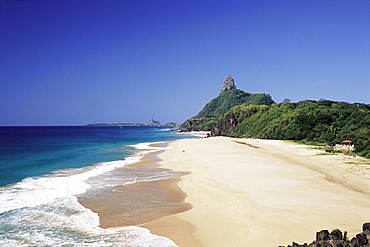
{"x": 263, "y": 193}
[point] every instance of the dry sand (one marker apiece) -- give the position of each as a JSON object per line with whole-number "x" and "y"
{"x": 262, "y": 193}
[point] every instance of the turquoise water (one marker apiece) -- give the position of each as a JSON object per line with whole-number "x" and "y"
{"x": 44, "y": 170}
{"x": 34, "y": 151}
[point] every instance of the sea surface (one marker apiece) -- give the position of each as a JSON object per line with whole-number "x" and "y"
{"x": 45, "y": 170}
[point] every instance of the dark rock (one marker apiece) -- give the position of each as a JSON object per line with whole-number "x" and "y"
{"x": 336, "y": 239}
{"x": 336, "y": 235}
{"x": 338, "y": 243}
{"x": 322, "y": 235}
{"x": 361, "y": 239}
{"x": 228, "y": 84}
{"x": 366, "y": 227}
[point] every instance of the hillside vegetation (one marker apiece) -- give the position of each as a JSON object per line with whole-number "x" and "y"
{"x": 222, "y": 104}
{"x": 309, "y": 121}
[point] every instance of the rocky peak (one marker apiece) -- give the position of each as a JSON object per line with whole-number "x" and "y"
{"x": 228, "y": 84}
{"x": 153, "y": 122}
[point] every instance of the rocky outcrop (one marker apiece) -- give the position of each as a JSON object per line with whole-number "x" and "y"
{"x": 228, "y": 84}
{"x": 197, "y": 124}
{"x": 225, "y": 126}
{"x": 171, "y": 125}
{"x": 153, "y": 122}
{"x": 337, "y": 239}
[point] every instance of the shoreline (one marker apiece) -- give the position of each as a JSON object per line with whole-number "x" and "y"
{"x": 248, "y": 192}
{"x": 142, "y": 201}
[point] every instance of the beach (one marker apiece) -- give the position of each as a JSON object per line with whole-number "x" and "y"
{"x": 250, "y": 192}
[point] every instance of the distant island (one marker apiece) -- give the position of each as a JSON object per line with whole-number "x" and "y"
{"x": 151, "y": 122}
{"x": 115, "y": 124}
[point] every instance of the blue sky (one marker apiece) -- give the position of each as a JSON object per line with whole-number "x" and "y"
{"x": 73, "y": 62}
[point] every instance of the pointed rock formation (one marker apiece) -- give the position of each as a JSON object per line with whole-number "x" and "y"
{"x": 228, "y": 84}
{"x": 153, "y": 122}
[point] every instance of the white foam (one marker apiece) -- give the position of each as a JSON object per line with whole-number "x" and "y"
{"x": 47, "y": 206}
{"x": 146, "y": 147}
{"x": 52, "y": 224}
{"x": 36, "y": 191}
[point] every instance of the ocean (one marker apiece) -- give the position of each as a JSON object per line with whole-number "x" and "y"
{"x": 49, "y": 174}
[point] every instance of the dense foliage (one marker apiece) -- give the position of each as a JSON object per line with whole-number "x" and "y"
{"x": 222, "y": 104}
{"x": 311, "y": 121}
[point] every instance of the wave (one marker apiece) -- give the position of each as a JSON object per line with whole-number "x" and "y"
{"x": 149, "y": 147}
{"x": 45, "y": 210}
{"x": 66, "y": 222}
{"x": 32, "y": 192}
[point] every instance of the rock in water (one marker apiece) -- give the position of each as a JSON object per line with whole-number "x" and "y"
{"x": 228, "y": 84}
{"x": 152, "y": 122}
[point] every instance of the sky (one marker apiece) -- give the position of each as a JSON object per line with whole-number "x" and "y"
{"x": 74, "y": 62}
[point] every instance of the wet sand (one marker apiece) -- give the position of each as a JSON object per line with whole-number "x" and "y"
{"x": 139, "y": 202}
{"x": 262, "y": 193}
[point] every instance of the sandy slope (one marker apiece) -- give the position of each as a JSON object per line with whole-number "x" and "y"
{"x": 262, "y": 193}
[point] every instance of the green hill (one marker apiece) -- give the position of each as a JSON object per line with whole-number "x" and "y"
{"x": 228, "y": 99}
{"x": 236, "y": 113}
{"x": 308, "y": 121}
{"x": 222, "y": 104}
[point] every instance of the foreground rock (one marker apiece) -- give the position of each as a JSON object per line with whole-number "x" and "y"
{"x": 337, "y": 239}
